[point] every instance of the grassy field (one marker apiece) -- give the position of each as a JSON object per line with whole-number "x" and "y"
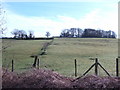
{"x": 61, "y": 54}
{"x": 20, "y": 51}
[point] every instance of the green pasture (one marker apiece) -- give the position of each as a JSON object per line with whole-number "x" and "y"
{"x": 20, "y": 51}
{"x": 61, "y": 54}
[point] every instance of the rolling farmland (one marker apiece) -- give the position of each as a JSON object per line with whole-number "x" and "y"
{"x": 61, "y": 53}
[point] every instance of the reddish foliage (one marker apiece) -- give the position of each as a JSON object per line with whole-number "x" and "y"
{"x": 96, "y": 82}
{"x": 35, "y": 79}
{"x": 48, "y": 79}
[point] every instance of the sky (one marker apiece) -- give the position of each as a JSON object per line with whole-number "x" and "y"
{"x": 53, "y": 17}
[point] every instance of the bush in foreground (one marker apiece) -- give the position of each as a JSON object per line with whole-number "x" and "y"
{"x": 41, "y": 78}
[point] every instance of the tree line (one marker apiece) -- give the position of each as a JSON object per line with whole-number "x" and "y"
{"x": 21, "y": 34}
{"x": 87, "y": 33}
{"x": 72, "y": 32}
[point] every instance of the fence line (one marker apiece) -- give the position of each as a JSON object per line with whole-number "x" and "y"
{"x": 96, "y": 64}
{"x": 43, "y": 51}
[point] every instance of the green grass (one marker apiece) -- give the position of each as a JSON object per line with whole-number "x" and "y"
{"x": 61, "y": 54}
{"x": 20, "y": 51}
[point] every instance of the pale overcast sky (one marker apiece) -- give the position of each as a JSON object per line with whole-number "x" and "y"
{"x": 56, "y": 16}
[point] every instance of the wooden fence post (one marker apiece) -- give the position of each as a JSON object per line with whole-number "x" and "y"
{"x": 38, "y": 63}
{"x": 75, "y": 68}
{"x": 35, "y": 61}
{"x": 96, "y": 66}
{"x": 12, "y": 65}
{"x": 117, "y": 67}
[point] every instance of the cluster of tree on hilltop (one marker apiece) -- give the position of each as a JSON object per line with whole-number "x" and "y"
{"x": 87, "y": 33}
{"x": 72, "y": 32}
{"x": 21, "y": 34}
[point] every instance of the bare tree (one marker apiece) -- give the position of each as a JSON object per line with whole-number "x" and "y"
{"x": 72, "y": 32}
{"x": 19, "y": 33}
{"x": 47, "y": 34}
{"x": 2, "y": 19}
{"x": 2, "y": 24}
{"x": 66, "y": 33}
{"x": 15, "y": 33}
{"x": 114, "y": 34}
{"x": 79, "y": 32}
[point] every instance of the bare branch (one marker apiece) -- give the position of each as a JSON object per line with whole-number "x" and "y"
{"x": 2, "y": 19}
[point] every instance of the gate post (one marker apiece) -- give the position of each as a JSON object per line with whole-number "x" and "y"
{"x": 12, "y": 65}
{"x": 117, "y": 67}
{"x": 38, "y": 61}
{"x": 96, "y": 66}
{"x": 75, "y": 68}
{"x": 35, "y": 61}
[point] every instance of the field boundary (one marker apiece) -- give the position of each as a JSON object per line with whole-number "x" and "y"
{"x": 29, "y": 38}
{"x": 43, "y": 52}
{"x": 36, "y": 64}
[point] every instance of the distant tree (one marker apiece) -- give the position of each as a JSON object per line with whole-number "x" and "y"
{"x": 98, "y": 33}
{"x": 113, "y": 35}
{"x": 72, "y": 32}
{"x": 31, "y": 33}
{"x": 47, "y": 34}
{"x": 79, "y": 32}
{"x": 90, "y": 33}
{"x": 15, "y": 33}
{"x": 19, "y": 33}
{"x": 65, "y": 33}
{"x": 26, "y": 36}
